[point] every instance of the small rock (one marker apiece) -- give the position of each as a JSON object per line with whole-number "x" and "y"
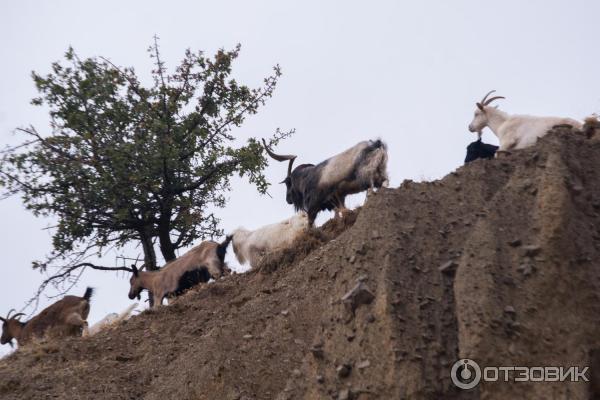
{"x": 362, "y": 250}
{"x": 525, "y": 269}
{"x": 248, "y": 337}
{"x": 344, "y": 394}
{"x": 515, "y": 243}
{"x": 352, "y": 259}
{"x": 532, "y": 250}
{"x": 370, "y": 318}
{"x": 297, "y": 373}
{"x": 363, "y": 364}
{"x": 317, "y": 351}
{"x": 320, "y": 379}
{"x": 448, "y": 267}
{"x": 285, "y": 312}
{"x": 362, "y": 278}
{"x": 507, "y": 280}
{"x": 358, "y": 295}
{"x": 343, "y": 371}
{"x": 509, "y": 310}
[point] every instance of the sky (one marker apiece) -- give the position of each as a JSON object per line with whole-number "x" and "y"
{"x": 408, "y": 72}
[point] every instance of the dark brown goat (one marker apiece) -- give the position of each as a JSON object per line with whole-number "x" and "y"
{"x": 197, "y": 265}
{"x": 66, "y": 317}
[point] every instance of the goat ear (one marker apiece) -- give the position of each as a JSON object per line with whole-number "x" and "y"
{"x": 480, "y": 106}
{"x": 134, "y": 270}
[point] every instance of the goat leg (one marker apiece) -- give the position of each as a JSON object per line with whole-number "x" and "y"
{"x": 158, "y": 300}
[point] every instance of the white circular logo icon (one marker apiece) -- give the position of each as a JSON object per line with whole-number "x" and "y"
{"x": 465, "y": 374}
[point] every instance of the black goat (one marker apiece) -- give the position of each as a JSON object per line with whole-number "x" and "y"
{"x": 478, "y": 149}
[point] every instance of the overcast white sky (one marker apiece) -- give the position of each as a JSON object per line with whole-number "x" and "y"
{"x": 407, "y": 72}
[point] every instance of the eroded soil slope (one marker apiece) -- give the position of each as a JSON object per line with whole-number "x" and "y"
{"x": 498, "y": 262}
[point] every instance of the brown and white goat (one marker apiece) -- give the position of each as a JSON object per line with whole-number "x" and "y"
{"x": 205, "y": 261}
{"x": 66, "y": 317}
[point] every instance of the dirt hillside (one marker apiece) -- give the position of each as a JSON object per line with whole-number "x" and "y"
{"x": 498, "y": 262}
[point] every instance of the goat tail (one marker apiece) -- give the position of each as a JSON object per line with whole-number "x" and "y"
{"x": 222, "y": 248}
{"x": 88, "y": 294}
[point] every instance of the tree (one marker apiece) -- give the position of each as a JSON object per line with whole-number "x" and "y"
{"x": 129, "y": 163}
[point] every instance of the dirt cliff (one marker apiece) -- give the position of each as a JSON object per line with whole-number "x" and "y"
{"x": 498, "y": 262}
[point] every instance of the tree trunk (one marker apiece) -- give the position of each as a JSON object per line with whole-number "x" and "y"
{"x": 166, "y": 245}
{"x": 164, "y": 230}
{"x": 149, "y": 253}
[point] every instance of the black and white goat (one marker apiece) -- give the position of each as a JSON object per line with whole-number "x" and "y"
{"x": 314, "y": 188}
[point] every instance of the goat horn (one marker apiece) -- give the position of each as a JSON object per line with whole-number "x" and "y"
{"x": 9, "y": 312}
{"x": 486, "y": 96}
{"x": 492, "y": 99}
{"x": 17, "y": 315}
{"x": 2, "y": 319}
{"x": 279, "y": 157}
{"x": 479, "y": 105}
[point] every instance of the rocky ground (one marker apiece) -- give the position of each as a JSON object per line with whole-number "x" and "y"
{"x": 498, "y": 262}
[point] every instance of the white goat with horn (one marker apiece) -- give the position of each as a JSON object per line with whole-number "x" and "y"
{"x": 514, "y": 131}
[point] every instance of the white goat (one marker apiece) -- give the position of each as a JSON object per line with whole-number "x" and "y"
{"x": 514, "y": 131}
{"x": 109, "y": 320}
{"x": 251, "y": 246}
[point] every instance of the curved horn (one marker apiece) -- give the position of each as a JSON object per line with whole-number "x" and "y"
{"x": 2, "y": 319}
{"x": 17, "y": 315}
{"x": 279, "y": 157}
{"x": 492, "y": 99}
{"x": 486, "y": 96}
{"x": 9, "y": 312}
